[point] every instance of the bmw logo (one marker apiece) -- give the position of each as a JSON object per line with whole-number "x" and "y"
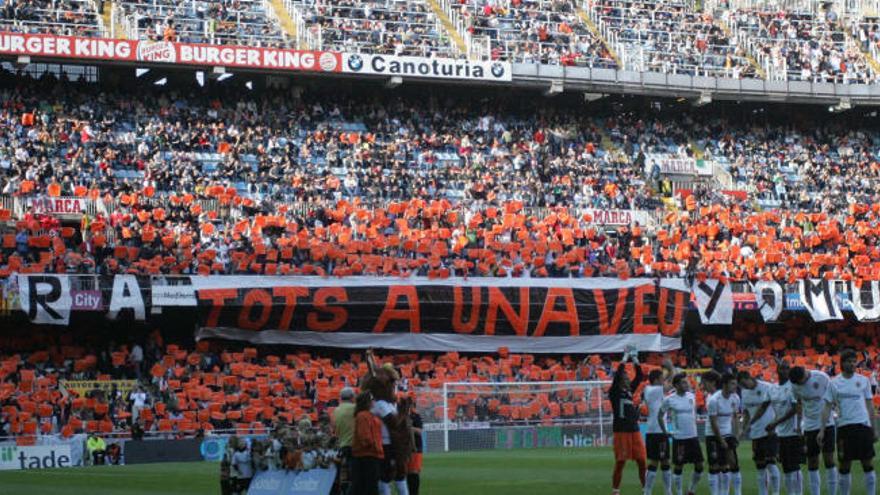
{"x": 497, "y": 69}
{"x": 355, "y": 62}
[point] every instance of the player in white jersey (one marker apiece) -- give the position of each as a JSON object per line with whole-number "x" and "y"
{"x": 682, "y": 406}
{"x": 723, "y": 409}
{"x": 809, "y": 388}
{"x": 856, "y": 428}
{"x": 788, "y": 430}
{"x": 656, "y": 442}
{"x": 755, "y": 395}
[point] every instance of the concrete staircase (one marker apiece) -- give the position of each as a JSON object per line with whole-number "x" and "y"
{"x": 869, "y": 57}
{"x": 752, "y": 60}
{"x": 284, "y": 20}
{"x": 456, "y": 37}
{"x": 588, "y": 21}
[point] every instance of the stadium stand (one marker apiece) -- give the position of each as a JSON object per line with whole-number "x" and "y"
{"x": 246, "y": 390}
{"x": 210, "y": 187}
{"x": 375, "y": 26}
{"x": 65, "y": 17}
{"x": 534, "y": 31}
{"x": 805, "y": 46}
{"x": 229, "y": 22}
{"x": 671, "y": 37}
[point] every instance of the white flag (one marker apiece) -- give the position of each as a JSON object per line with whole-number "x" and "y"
{"x": 865, "y": 301}
{"x": 714, "y": 302}
{"x": 45, "y": 298}
{"x": 819, "y": 298}
{"x": 770, "y": 299}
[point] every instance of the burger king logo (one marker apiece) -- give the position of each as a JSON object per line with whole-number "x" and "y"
{"x": 328, "y": 62}
{"x": 156, "y": 51}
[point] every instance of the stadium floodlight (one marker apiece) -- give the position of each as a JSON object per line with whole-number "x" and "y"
{"x": 200, "y": 78}
{"x": 249, "y": 85}
{"x": 23, "y": 60}
{"x": 140, "y": 72}
{"x": 161, "y": 82}
{"x": 501, "y": 408}
{"x": 224, "y": 76}
{"x": 217, "y": 70}
{"x": 393, "y": 82}
{"x": 556, "y": 87}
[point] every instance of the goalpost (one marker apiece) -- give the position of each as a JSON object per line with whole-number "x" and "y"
{"x": 510, "y": 415}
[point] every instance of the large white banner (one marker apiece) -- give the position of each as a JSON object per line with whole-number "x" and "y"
{"x": 45, "y": 298}
{"x": 714, "y": 302}
{"x": 770, "y": 299}
{"x": 818, "y": 297}
{"x": 427, "y": 67}
{"x": 865, "y": 301}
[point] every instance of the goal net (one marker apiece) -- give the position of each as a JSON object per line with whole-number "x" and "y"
{"x": 515, "y": 415}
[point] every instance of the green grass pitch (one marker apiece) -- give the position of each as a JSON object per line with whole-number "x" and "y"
{"x": 519, "y": 472}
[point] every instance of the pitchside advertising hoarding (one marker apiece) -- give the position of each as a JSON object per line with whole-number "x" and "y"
{"x": 13, "y": 457}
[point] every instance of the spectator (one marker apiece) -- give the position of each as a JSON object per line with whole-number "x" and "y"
{"x": 366, "y": 448}
{"x": 343, "y": 427}
{"x": 137, "y": 359}
{"x": 96, "y": 448}
{"x": 241, "y": 470}
{"x": 414, "y": 469}
{"x": 138, "y": 400}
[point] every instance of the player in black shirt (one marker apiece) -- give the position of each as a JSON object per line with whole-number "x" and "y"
{"x": 628, "y": 443}
{"x": 414, "y": 469}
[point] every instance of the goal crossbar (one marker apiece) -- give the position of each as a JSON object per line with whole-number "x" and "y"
{"x": 501, "y": 385}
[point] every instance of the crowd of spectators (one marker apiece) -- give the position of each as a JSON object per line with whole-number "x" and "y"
{"x": 670, "y": 37}
{"x": 534, "y": 31}
{"x": 657, "y": 36}
{"x": 393, "y": 27}
{"x": 804, "y": 46}
{"x": 227, "y": 22}
{"x": 61, "y": 17}
{"x": 211, "y": 388}
{"x": 380, "y": 186}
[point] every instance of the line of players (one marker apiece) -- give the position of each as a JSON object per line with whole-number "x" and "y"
{"x": 804, "y": 417}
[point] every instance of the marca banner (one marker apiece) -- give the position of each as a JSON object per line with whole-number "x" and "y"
{"x": 818, "y": 297}
{"x": 603, "y": 216}
{"x": 311, "y": 482}
{"x": 714, "y": 301}
{"x": 119, "y": 50}
{"x": 538, "y": 315}
{"x": 676, "y": 165}
{"x": 427, "y": 67}
{"x": 59, "y": 206}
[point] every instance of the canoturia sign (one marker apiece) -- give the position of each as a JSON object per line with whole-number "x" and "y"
{"x": 427, "y": 67}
